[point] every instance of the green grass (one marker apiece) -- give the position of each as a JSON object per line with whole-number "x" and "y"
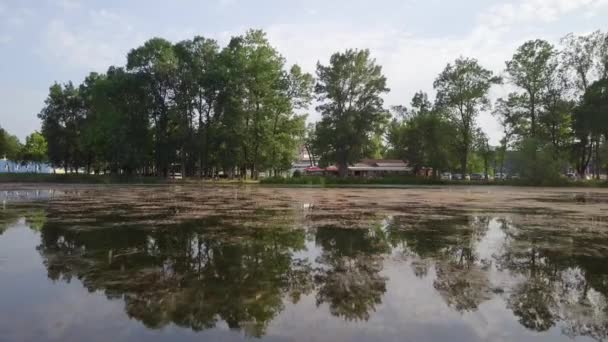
{"x": 305, "y": 181}
{"x": 76, "y": 179}
{"x": 318, "y": 181}
{"x": 108, "y": 179}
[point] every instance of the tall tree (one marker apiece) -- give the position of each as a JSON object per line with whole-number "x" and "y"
{"x": 529, "y": 69}
{"x": 198, "y": 87}
{"x": 349, "y": 90}
{"x": 462, "y": 89}
{"x": 156, "y": 62}
{"x": 591, "y": 119}
{"x": 61, "y": 126}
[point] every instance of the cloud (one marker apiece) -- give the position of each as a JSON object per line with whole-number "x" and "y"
{"x": 104, "y": 41}
{"x": 68, "y": 5}
{"x": 411, "y": 62}
{"x": 513, "y": 13}
{"x": 12, "y": 21}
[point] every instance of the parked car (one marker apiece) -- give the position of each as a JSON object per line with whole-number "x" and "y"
{"x": 477, "y": 177}
{"x": 446, "y": 176}
{"x": 467, "y": 177}
{"x": 572, "y": 176}
{"x": 457, "y": 176}
{"x": 513, "y": 176}
{"x": 500, "y": 176}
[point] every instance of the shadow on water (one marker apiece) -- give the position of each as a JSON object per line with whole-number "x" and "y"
{"x": 243, "y": 264}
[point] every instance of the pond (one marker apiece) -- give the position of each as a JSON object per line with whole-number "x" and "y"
{"x": 203, "y": 263}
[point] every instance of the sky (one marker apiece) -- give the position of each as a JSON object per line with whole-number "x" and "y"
{"x": 47, "y": 41}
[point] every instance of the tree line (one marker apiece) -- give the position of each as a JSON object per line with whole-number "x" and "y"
{"x": 555, "y": 118}
{"x": 197, "y": 108}
{"x": 192, "y": 106}
{"x": 34, "y": 149}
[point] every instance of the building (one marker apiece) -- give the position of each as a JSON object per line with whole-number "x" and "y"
{"x": 371, "y": 168}
{"x": 302, "y": 163}
{"x": 7, "y": 166}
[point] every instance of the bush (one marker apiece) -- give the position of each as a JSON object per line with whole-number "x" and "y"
{"x": 537, "y": 165}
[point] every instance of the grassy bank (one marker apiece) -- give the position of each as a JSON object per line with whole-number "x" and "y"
{"x": 318, "y": 181}
{"x": 305, "y": 181}
{"x": 105, "y": 179}
{"x": 77, "y": 179}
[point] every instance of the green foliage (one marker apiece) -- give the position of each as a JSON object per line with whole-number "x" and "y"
{"x": 530, "y": 69}
{"x": 462, "y": 90}
{"x": 182, "y": 107}
{"x": 35, "y": 148}
{"x": 349, "y": 90}
{"x": 196, "y": 108}
{"x": 10, "y": 146}
{"x": 422, "y": 135}
{"x": 536, "y": 163}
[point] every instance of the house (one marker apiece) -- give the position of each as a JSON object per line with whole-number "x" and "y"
{"x": 379, "y": 168}
{"x": 303, "y": 161}
{"x": 375, "y": 168}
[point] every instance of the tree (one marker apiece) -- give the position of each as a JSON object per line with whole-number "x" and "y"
{"x": 591, "y": 119}
{"x": 156, "y": 63}
{"x": 555, "y": 117}
{"x": 529, "y": 69}
{"x": 35, "y": 148}
{"x": 349, "y": 90}
{"x": 422, "y": 135}
{"x": 118, "y": 129}
{"x": 10, "y": 146}
{"x": 462, "y": 90}
{"x": 199, "y": 84}
{"x": 484, "y": 150}
{"x": 260, "y": 125}
{"x": 62, "y": 120}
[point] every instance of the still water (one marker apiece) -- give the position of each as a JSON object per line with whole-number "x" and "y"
{"x": 231, "y": 264}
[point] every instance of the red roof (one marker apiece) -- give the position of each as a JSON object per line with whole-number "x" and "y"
{"x": 331, "y": 168}
{"x": 313, "y": 169}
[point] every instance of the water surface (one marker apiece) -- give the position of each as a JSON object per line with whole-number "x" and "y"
{"x": 227, "y": 263}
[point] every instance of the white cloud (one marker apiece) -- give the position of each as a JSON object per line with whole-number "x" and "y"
{"x": 103, "y": 42}
{"x": 410, "y": 62}
{"x": 68, "y": 5}
{"x": 515, "y": 13}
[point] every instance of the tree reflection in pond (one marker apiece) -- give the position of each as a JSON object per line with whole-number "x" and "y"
{"x": 554, "y": 276}
{"x": 348, "y": 276}
{"x": 450, "y": 246}
{"x": 563, "y": 278}
{"x": 201, "y": 272}
{"x": 185, "y": 276}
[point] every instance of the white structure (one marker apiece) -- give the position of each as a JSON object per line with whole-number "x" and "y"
{"x": 302, "y": 162}
{"x": 379, "y": 168}
{"x": 7, "y": 166}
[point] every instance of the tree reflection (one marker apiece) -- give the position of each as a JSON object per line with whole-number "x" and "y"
{"x": 448, "y": 245}
{"x": 34, "y": 216}
{"x": 560, "y": 285}
{"x": 185, "y": 275}
{"x": 200, "y": 272}
{"x": 195, "y": 274}
{"x": 348, "y": 276}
